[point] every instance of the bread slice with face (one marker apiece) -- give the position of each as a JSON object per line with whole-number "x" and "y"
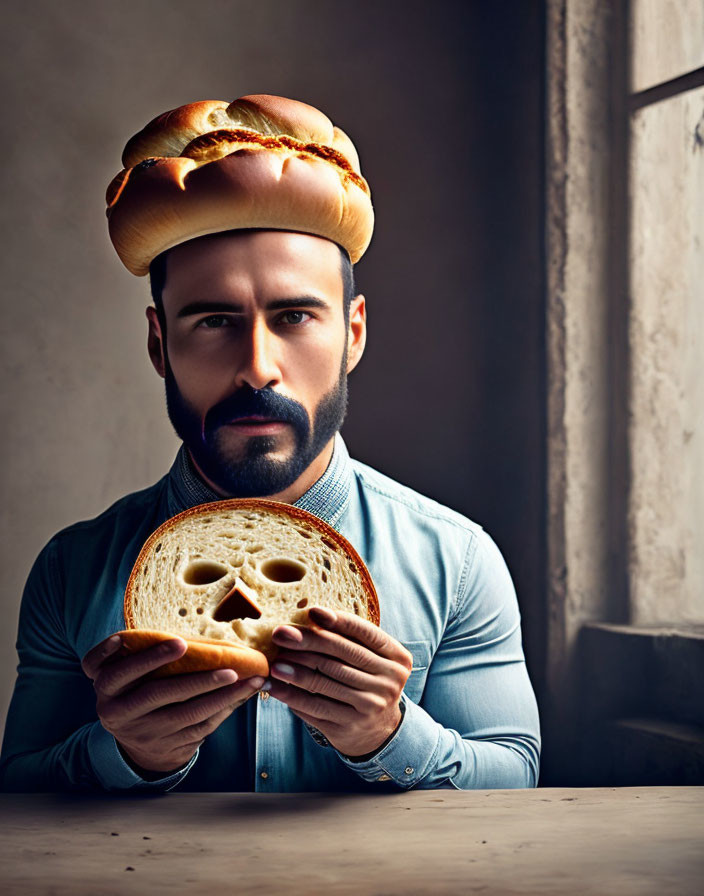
{"x": 225, "y": 574}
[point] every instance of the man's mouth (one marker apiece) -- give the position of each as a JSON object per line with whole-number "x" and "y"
{"x": 255, "y": 418}
{"x": 258, "y": 423}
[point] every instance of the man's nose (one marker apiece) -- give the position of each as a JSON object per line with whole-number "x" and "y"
{"x": 259, "y": 365}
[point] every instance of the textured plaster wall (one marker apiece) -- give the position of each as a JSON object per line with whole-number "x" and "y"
{"x": 666, "y": 519}
{"x": 582, "y": 334}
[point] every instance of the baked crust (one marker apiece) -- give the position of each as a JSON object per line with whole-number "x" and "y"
{"x": 260, "y": 162}
{"x": 203, "y": 654}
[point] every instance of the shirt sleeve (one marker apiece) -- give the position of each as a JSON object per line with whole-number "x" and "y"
{"x": 477, "y": 723}
{"x": 53, "y": 739}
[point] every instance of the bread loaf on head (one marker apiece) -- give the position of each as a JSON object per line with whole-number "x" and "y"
{"x": 223, "y": 575}
{"x": 262, "y": 161}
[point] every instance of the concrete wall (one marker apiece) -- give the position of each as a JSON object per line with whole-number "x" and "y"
{"x": 586, "y": 350}
{"x": 444, "y": 102}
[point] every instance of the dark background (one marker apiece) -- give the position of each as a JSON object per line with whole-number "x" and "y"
{"x": 450, "y": 397}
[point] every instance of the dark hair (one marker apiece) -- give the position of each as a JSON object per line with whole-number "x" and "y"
{"x": 157, "y": 279}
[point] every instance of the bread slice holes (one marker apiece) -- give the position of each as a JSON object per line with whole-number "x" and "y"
{"x": 329, "y": 544}
{"x": 356, "y": 608}
{"x": 304, "y": 533}
{"x": 303, "y": 602}
{"x": 199, "y": 611}
{"x": 203, "y": 572}
{"x": 238, "y": 603}
{"x": 326, "y": 563}
{"x": 324, "y": 576}
{"x": 283, "y": 570}
{"x": 157, "y": 548}
{"x": 183, "y": 612}
{"x": 254, "y": 548}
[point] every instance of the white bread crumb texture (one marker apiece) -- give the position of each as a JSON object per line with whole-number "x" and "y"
{"x": 268, "y": 565}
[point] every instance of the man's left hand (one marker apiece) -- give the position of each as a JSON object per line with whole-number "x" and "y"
{"x": 344, "y": 676}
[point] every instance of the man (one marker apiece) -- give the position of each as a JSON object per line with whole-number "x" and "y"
{"x": 255, "y": 329}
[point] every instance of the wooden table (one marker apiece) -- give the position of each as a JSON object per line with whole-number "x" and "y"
{"x": 546, "y": 841}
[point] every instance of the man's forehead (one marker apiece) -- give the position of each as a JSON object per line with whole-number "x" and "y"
{"x": 266, "y": 256}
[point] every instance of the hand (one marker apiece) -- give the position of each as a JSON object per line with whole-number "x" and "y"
{"x": 344, "y": 676}
{"x": 160, "y": 724}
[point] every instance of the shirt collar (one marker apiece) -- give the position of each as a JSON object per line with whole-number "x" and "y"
{"x": 328, "y": 497}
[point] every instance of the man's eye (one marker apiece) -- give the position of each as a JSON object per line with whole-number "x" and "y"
{"x": 214, "y": 322}
{"x": 294, "y": 317}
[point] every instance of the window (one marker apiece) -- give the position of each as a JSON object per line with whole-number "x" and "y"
{"x": 666, "y": 428}
{"x": 625, "y": 359}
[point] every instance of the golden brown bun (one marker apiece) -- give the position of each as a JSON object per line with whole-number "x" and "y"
{"x": 203, "y": 654}
{"x": 259, "y": 162}
{"x": 223, "y": 575}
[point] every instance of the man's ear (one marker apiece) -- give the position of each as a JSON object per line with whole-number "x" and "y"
{"x": 155, "y": 342}
{"x": 357, "y": 332}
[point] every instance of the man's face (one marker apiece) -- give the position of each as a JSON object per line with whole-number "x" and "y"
{"x": 257, "y": 355}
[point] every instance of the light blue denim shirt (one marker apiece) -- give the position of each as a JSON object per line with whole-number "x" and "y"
{"x": 470, "y": 719}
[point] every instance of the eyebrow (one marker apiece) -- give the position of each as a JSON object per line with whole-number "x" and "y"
{"x": 206, "y": 305}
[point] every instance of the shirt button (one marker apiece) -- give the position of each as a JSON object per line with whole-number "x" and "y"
{"x": 384, "y": 778}
{"x": 264, "y": 695}
{"x": 264, "y": 774}
{"x": 408, "y": 770}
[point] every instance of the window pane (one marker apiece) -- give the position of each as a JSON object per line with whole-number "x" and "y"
{"x": 667, "y": 40}
{"x": 667, "y": 351}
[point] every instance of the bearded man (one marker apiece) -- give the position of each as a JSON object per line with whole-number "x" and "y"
{"x": 248, "y": 218}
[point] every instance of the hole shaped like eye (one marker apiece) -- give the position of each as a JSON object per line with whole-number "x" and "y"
{"x": 283, "y": 570}
{"x": 203, "y": 572}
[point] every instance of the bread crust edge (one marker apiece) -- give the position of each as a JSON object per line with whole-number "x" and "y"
{"x": 202, "y": 654}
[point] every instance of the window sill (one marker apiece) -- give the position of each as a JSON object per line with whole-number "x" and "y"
{"x": 641, "y": 689}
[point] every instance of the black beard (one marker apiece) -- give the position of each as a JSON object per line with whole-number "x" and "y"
{"x": 255, "y": 474}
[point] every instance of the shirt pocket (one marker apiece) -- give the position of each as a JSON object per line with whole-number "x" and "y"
{"x": 421, "y": 652}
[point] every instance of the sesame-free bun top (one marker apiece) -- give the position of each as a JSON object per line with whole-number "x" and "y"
{"x": 258, "y": 162}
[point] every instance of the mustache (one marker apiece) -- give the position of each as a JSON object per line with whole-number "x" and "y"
{"x": 248, "y": 402}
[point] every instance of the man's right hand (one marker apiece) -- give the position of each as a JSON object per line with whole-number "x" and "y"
{"x": 159, "y": 724}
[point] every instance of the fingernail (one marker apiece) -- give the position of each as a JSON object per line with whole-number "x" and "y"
{"x": 283, "y": 669}
{"x": 322, "y": 616}
{"x": 112, "y": 643}
{"x": 226, "y": 676}
{"x": 289, "y": 634}
{"x": 171, "y": 645}
{"x": 266, "y": 686}
{"x": 256, "y": 682}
